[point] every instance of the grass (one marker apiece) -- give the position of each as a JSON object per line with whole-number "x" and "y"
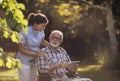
{"x": 93, "y": 72}
{"x": 101, "y": 75}
{"x": 96, "y": 73}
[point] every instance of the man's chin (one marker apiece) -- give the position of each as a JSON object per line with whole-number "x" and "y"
{"x": 54, "y": 46}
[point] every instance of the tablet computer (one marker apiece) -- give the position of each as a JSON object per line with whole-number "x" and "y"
{"x": 75, "y": 62}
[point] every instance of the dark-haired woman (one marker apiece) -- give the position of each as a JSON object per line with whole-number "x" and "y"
{"x": 29, "y": 46}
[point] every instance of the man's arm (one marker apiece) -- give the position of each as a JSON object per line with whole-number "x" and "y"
{"x": 72, "y": 67}
{"x": 62, "y": 65}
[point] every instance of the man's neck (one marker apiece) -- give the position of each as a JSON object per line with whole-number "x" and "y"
{"x": 54, "y": 48}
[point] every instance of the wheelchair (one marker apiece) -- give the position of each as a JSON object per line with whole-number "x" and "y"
{"x": 71, "y": 76}
{"x": 47, "y": 77}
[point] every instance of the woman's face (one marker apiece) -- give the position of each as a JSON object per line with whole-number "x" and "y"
{"x": 40, "y": 27}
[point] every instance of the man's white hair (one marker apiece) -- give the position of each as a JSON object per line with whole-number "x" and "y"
{"x": 57, "y": 31}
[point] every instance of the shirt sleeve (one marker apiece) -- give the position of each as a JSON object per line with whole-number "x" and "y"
{"x": 43, "y": 63}
{"x": 66, "y": 55}
{"x": 68, "y": 58}
{"x": 23, "y": 37}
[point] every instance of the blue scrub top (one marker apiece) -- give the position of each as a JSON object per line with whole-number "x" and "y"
{"x": 32, "y": 40}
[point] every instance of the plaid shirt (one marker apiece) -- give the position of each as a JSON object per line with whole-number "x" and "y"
{"x": 53, "y": 58}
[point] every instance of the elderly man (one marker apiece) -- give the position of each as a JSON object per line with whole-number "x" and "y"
{"x": 55, "y": 60}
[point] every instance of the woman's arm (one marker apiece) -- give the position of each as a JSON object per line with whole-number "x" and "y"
{"x": 45, "y": 43}
{"x": 28, "y": 52}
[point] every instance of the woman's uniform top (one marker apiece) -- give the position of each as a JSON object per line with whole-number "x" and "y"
{"x": 32, "y": 40}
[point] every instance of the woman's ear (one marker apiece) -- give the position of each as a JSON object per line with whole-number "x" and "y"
{"x": 35, "y": 24}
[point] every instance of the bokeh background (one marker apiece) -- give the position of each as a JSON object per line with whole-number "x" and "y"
{"x": 91, "y": 31}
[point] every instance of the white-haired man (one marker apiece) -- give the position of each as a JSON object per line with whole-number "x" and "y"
{"x": 55, "y": 60}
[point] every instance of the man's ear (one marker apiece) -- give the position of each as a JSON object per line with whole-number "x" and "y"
{"x": 61, "y": 41}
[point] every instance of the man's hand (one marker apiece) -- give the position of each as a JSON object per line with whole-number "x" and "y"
{"x": 72, "y": 67}
{"x": 63, "y": 65}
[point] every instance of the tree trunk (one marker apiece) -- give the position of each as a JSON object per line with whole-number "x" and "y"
{"x": 111, "y": 31}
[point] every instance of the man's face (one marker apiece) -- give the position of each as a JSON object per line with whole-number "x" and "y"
{"x": 55, "y": 40}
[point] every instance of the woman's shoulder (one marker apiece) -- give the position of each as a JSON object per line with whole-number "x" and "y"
{"x": 22, "y": 32}
{"x": 25, "y": 31}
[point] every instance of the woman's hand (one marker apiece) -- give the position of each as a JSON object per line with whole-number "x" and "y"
{"x": 40, "y": 53}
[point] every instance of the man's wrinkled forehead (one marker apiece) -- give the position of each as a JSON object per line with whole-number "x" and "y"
{"x": 56, "y": 34}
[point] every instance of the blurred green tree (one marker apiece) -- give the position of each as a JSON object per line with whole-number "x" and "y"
{"x": 11, "y": 21}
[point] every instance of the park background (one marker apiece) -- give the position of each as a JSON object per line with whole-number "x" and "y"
{"x": 91, "y": 34}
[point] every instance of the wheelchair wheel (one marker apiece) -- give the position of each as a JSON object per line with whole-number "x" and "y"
{"x": 44, "y": 77}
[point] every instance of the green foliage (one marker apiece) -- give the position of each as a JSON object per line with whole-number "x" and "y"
{"x": 70, "y": 10}
{"x": 8, "y": 33}
{"x": 13, "y": 12}
{"x": 66, "y": 10}
{"x": 14, "y": 19}
{"x": 8, "y": 61}
{"x": 12, "y": 22}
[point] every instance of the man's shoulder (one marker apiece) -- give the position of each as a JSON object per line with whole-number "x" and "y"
{"x": 62, "y": 49}
{"x": 45, "y": 48}
{"x": 48, "y": 49}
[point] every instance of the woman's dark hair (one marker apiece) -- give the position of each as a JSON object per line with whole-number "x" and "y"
{"x": 37, "y": 18}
